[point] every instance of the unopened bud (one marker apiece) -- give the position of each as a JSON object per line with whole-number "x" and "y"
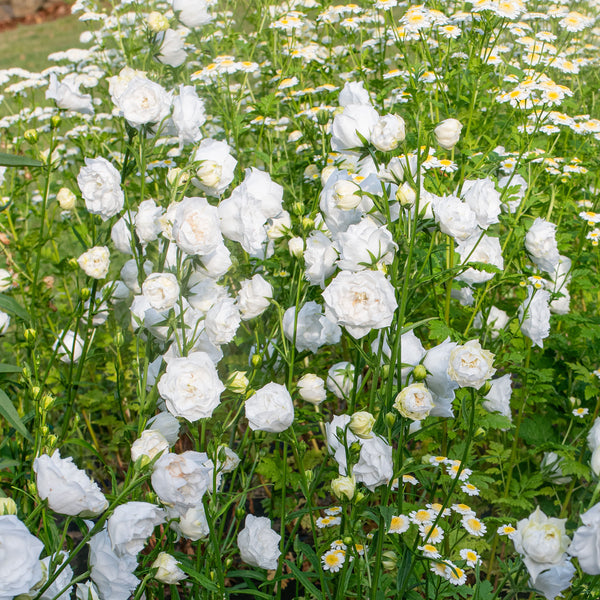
{"x": 390, "y": 419}
{"x": 31, "y": 136}
{"x": 406, "y": 195}
{"x": 238, "y": 382}
{"x": 47, "y": 401}
{"x": 55, "y": 121}
{"x": 344, "y": 487}
{"x": 419, "y": 373}
{"x": 361, "y": 424}
{"x": 256, "y": 360}
{"x": 346, "y": 195}
{"x": 85, "y": 293}
{"x": 66, "y": 198}
{"x": 119, "y": 339}
{"x": 35, "y": 391}
{"x": 30, "y": 335}
{"x": 389, "y": 560}
{"x": 157, "y": 22}
{"x": 309, "y": 474}
{"x": 308, "y": 223}
{"x": 296, "y": 246}
{"x": 298, "y": 208}
{"x": 8, "y": 506}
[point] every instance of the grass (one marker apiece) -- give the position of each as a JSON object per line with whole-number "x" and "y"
{"x": 28, "y": 46}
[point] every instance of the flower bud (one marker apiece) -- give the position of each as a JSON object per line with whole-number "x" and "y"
{"x": 346, "y": 195}
{"x": 85, "y": 293}
{"x": 238, "y": 382}
{"x": 390, "y": 419}
{"x": 406, "y": 195}
{"x": 30, "y": 335}
{"x": 177, "y": 176}
{"x": 296, "y": 246}
{"x": 389, "y": 560}
{"x": 414, "y": 402}
{"x": 359, "y": 496}
{"x": 31, "y": 136}
{"x": 419, "y": 373}
{"x": 119, "y": 338}
{"x": 361, "y": 424}
{"x": 309, "y": 474}
{"x": 55, "y": 121}
{"x": 66, "y": 198}
{"x": 35, "y": 391}
{"x": 157, "y": 22}
{"x": 298, "y": 208}
{"x": 167, "y": 570}
{"x": 47, "y": 401}
{"x": 308, "y": 223}
{"x": 256, "y": 360}
{"x": 73, "y": 263}
{"x": 8, "y": 506}
{"x": 447, "y": 133}
{"x": 209, "y": 173}
{"x": 343, "y": 486}
{"x": 326, "y": 173}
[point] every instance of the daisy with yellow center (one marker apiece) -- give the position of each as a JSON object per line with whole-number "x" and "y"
{"x": 409, "y": 479}
{"x": 508, "y": 530}
{"x": 333, "y": 560}
{"x": 399, "y": 524}
{"x": 436, "y": 507}
{"x": 438, "y": 568}
{"x": 328, "y": 522}
{"x": 433, "y": 534}
{"x": 429, "y": 551}
{"x": 580, "y": 412}
{"x": 333, "y": 511}
{"x": 455, "y": 575}
{"x": 470, "y": 556}
{"x": 338, "y": 545}
{"x": 474, "y": 526}
{"x": 421, "y": 516}
{"x": 462, "y": 509}
{"x": 359, "y": 549}
{"x": 470, "y": 489}
{"x": 438, "y": 460}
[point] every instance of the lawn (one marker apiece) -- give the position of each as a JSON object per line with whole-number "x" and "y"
{"x": 28, "y": 46}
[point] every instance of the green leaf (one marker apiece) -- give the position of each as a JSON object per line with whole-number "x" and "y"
{"x": 13, "y": 160}
{"x": 9, "y": 412}
{"x": 11, "y": 305}
{"x": 304, "y": 580}
{"x": 10, "y": 368}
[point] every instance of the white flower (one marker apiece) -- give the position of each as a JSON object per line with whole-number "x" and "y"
{"x": 188, "y": 114}
{"x": 438, "y": 380}
{"x": 586, "y": 542}
{"x": 361, "y": 424}
{"x": 217, "y": 167}
{"x": 192, "y": 13}
{"x": 143, "y": 102}
{"x": 388, "y": 132}
{"x": 86, "y": 591}
{"x": 193, "y": 523}
{"x": 95, "y": 262}
{"x": 121, "y": 233}
{"x": 344, "y": 486}
{"x": 113, "y": 575}
{"x": 100, "y": 185}
{"x": 222, "y": 321}
{"x": 182, "y": 479}
{"x": 168, "y": 570}
{"x": 118, "y": 83}
{"x": 483, "y": 199}
{"x": 447, "y": 133}
{"x": 482, "y": 249}
{"x": 254, "y": 297}
{"x": 167, "y": 425}
{"x": 375, "y": 465}
{"x": 365, "y": 244}
{"x": 455, "y": 217}
{"x": 340, "y": 379}
{"x": 69, "y": 490}
{"x": 497, "y": 320}
{"x": 354, "y": 92}
{"x": 147, "y": 221}
{"x": 470, "y": 365}
{"x": 270, "y": 409}
{"x": 360, "y": 301}
{"x": 196, "y": 227}
{"x": 67, "y": 95}
{"x": 355, "y": 118}
{"x": 312, "y": 388}
{"x": 339, "y": 439}
{"x": 534, "y": 314}
{"x": 414, "y": 402}
{"x": 320, "y": 257}
{"x": 4, "y": 322}
{"x": 61, "y": 582}
{"x": 131, "y": 524}
{"x": 346, "y": 194}
{"x": 542, "y": 541}
{"x": 191, "y": 387}
{"x": 66, "y": 198}
{"x": 70, "y": 346}
{"x": 311, "y": 328}
{"x": 149, "y": 444}
{"x": 540, "y": 242}
{"x": 20, "y": 567}
{"x": 258, "y": 543}
{"x": 498, "y": 398}
{"x": 172, "y": 51}
{"x": 552, "y": 582}
{"x": 161, "y": 290}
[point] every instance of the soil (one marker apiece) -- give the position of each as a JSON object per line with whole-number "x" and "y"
{"x": 55, "y": 9}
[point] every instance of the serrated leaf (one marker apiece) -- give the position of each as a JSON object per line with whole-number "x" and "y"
{"x": 9, "y": 412}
